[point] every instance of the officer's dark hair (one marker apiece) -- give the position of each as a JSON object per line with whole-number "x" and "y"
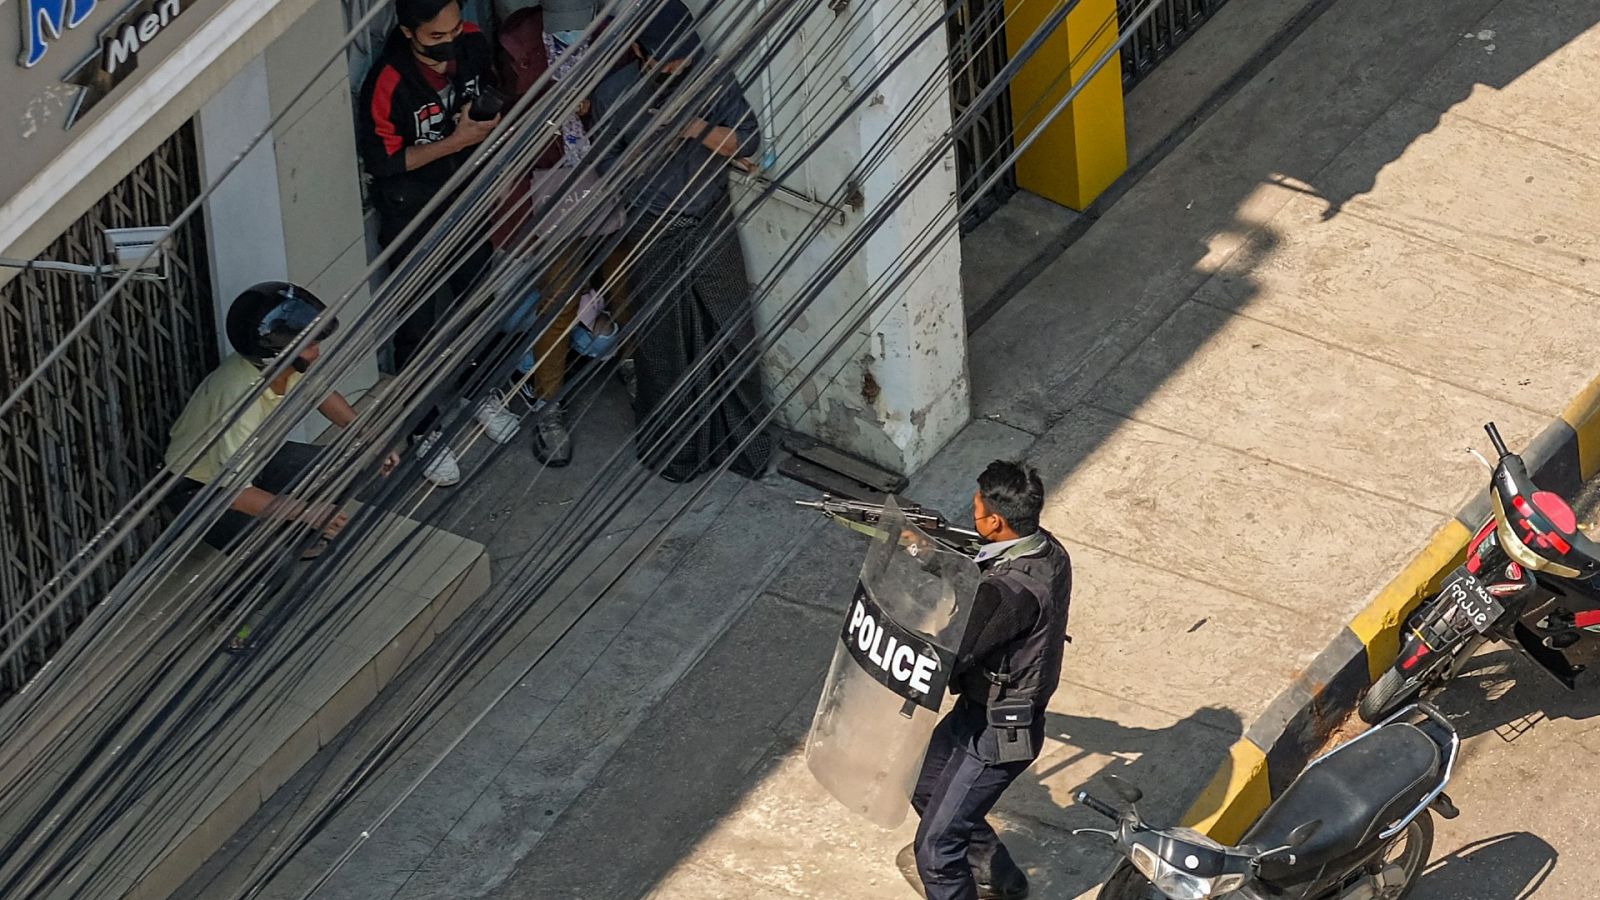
{"x": 412, "y": 13}
{"x": 1014, "y": 492}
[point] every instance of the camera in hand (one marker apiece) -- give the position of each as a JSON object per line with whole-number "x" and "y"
{"x": 488, "y": 104}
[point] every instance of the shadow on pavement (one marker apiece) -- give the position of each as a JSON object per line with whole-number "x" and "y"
{"x": 1371, "y": 79}
{"x": 1505, "y": 693}
{"x": 1505, "y": 867}
{"x": 1034, "y": 364}
{"x": 1143, "y": 757}
{"x": 1035, "y": 816}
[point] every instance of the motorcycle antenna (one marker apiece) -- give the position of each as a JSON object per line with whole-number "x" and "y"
{"x": 1481, "y": 458}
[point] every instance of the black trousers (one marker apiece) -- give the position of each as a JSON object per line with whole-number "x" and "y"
{"x": 956, "y": 846}
{"x": 421, "y": 324}
{"x": 283, "y": 472}
{"x": 697, "y": 340}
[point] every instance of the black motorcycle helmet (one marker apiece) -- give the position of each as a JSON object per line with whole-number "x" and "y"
{"x": 268, "y": 318}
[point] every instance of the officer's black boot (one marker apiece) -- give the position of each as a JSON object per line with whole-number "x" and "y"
{"x": 1012, "y": 888}
{"x": 906, "y": 862}
{"x": 1001, "y": 878}
{"x": 1012, "y": 883}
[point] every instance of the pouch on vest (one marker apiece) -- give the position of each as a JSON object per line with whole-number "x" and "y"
{"x": 1011, "y": 720}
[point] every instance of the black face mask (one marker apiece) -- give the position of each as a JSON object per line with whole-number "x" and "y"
{"x": 444, "y": 51}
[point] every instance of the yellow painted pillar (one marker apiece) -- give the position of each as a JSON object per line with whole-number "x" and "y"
{"x": 1085, "y": 148}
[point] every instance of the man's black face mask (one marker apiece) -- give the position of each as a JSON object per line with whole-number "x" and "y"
{"x": 444, "y": 51}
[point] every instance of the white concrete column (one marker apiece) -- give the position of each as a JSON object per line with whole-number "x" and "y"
{"x": 897, "y": 390}
{"x": 244, "y": 225}
{"x": 318, "y": 189}
{"x": 291, "y": 210}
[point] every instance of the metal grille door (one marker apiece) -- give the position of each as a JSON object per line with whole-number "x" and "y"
{"x": 94, "y": 428}
{"x": 977, "y": 54}
{"x": 1170, "y": 25}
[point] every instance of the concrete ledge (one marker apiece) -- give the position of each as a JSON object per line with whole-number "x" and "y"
{"x": 1235, "y": 796}
{"x": 318, "y": 729}
{"x": 1294, "y": 728}
{"x": 401, "y": 585}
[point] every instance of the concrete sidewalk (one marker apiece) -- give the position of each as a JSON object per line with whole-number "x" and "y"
{"x": 1249, "y": 386}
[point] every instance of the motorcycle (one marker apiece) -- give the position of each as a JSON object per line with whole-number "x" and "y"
{"x": 1357, "y": 824}
{"x": 1529, "y": 581}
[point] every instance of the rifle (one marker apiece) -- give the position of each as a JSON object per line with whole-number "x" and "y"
{"x": 862, "y": 517}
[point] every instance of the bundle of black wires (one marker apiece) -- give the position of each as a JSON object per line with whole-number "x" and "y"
{"x": 129, "y": 723}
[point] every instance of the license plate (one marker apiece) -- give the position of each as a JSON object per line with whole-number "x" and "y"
{"x": 1472, "y": 599}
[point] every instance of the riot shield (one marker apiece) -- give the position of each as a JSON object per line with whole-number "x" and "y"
{"x": 890, "y": 670}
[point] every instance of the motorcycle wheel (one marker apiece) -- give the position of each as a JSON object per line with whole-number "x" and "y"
{"x": 1410, "y": 851}
{"x": 1393, "y": 690}
{"x": 1127, "y": 884}
{"x": 1386, "y": 695}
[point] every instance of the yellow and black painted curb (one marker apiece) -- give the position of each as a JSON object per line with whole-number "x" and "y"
{"x": 1279, "y": 744}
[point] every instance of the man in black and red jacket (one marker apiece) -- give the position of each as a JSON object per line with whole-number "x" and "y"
{"x": 416, "y": 129}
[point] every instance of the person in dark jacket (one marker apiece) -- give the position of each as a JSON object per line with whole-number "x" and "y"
{"x": 416, "y": 130}
{"x": 1006, "y": 669}
{"x": 689, "y": 279}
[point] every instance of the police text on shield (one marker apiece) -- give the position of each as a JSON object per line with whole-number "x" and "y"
{"x": 906, "y": 665}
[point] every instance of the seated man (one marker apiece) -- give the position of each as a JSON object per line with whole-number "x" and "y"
{"x": 263, "y": 323}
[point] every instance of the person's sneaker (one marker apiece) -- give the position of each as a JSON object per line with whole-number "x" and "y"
{"x": 444, "y": 470}
{"x": 552, "y": 444}
{"x": 629, "y": 376}
{"x": 529, "y": 396}
{"x": 499, "y": 423}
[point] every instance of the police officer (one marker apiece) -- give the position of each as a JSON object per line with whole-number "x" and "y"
{"x": 1005, "y": 672}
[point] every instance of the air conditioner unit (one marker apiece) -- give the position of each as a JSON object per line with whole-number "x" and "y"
{"x": 137, "y": 248}
{"x": 142, "y": 251}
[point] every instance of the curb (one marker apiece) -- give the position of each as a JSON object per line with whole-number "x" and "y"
{"x": 1297, "y": 723}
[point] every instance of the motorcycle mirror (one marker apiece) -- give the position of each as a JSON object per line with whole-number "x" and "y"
{"x": 1123, "y": 789}
{"x": 1495, "y": 439}
{"x": 1304, "y": 833}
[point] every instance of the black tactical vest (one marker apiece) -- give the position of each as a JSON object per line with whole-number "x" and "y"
{"x": 1029, "y": 667}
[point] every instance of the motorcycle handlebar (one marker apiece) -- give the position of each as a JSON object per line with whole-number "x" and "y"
{"x": 1494, "y": 438}
{"x": 1104, "y": 809}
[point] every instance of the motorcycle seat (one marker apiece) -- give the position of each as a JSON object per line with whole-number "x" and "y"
{"x": 1548, "y": 526}
{"x": 1560, "y": 514}
{"x": 1357, "y": 791}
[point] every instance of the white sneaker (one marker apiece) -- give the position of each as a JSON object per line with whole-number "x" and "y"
{"x": 445, "y": 469}
{"x": 499, "y": 423}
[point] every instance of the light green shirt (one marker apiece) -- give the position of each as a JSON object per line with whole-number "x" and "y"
{"x": 212, "y": 402}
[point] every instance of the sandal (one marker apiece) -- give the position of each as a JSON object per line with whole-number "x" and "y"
{"x": 240, "y": 643}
